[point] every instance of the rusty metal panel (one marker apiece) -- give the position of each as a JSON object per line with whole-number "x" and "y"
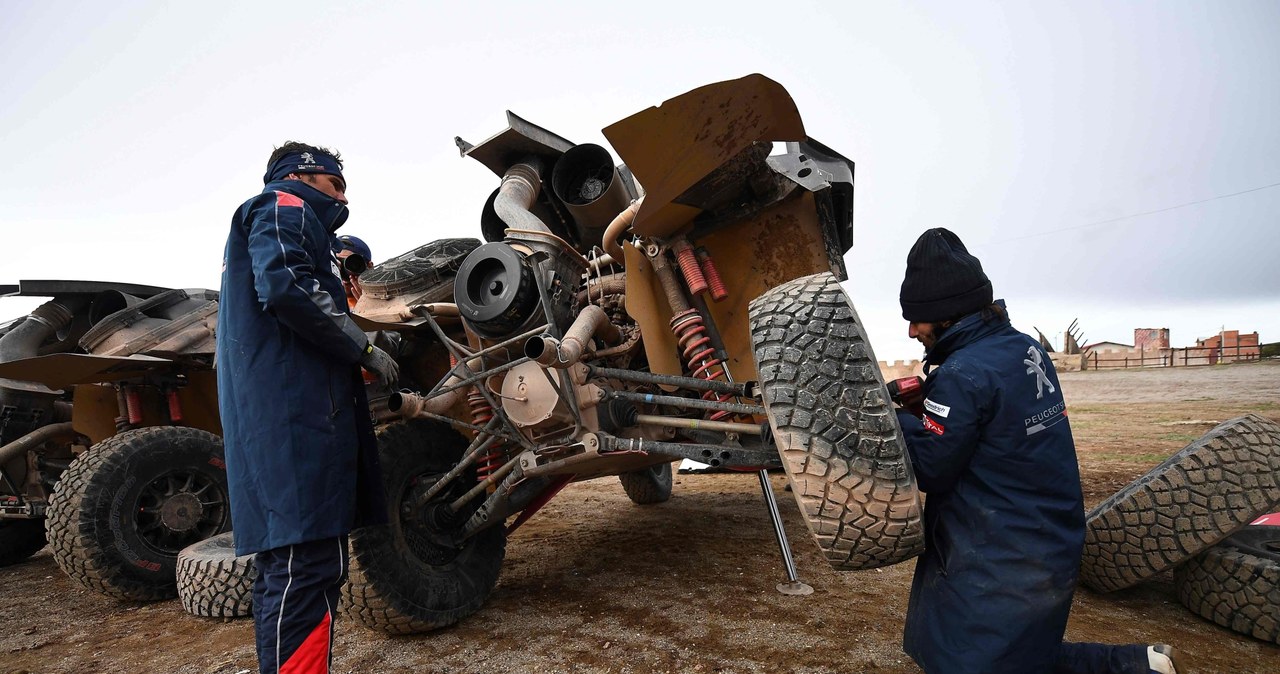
{"x": 520, "y": 140}
{"x": 60, "y": 370}
{"x": 199, "y": 400}
{"x": 782, "y": 243}
{"x": 40, "y": 288}
{"x": 671, "y": 147}
{"x": 94, "y": 411}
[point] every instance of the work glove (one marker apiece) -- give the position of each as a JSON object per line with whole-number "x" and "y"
{"x": 380, "y": 363}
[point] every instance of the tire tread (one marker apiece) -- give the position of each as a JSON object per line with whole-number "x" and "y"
{"x": 834, "y": 426}
{"x": 1210, "y": 489}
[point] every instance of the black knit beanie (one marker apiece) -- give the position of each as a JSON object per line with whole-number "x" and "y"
{"x": 943, "y": 280}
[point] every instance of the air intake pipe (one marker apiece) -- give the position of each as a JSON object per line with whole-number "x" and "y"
{"x": 517, "y": 194}
{"x": 25, "y": 338}
{"x": 30, "y": 405}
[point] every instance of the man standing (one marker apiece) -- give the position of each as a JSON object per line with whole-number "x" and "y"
{"x": 301, "y": 462}
{"x": 1004, "y": 517}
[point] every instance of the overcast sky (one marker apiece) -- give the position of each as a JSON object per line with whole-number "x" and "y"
{"x": 130, "y": 131}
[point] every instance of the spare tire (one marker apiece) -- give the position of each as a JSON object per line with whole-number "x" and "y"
{"x": 835, "y": 430}
{"x": 213, "y": 582}
{"x": 1236, "y": 583}
{"x": 127, "y": 506}
{"x": 648, "y": 486}
{"x": 1197, "y": 497}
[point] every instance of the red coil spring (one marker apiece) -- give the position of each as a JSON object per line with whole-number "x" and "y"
{"x": 133, "y": 403}
{"x": 175, "y": 407}
{"x": 718, "y": 290}
{"x": 481, "y": 414}
{"x": 691, "y": 333}
{"x": 692, "y": 272}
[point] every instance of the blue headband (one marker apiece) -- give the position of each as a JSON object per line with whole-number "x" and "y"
{"x": 302, "y": 162}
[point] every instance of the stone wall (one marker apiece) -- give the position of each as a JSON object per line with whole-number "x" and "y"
{"x": 901, "y": 368}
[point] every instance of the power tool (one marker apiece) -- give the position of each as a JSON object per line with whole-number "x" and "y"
{"x": 908, "y": 393}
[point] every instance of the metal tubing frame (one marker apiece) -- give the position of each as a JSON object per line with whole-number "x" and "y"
{"x": 459, "y": 353}
{"x": 741, "y": 390}
{"x": 566, "y": 384}
{"x": 699, "y": 424}
{"x": 690, "y": 403}
{"x": 714, "y": 455}
{"x": 480, "y": 444}
{"x": 484, "y": 484}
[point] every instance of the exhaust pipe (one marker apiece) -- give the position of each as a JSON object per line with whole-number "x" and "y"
{"x": 587, "y": 182}
{"x": 412, "y": 405}
{"x": 592, "y": 322}
{"x": 35, "y": 439}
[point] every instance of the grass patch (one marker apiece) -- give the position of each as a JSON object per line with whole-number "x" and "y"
{"x": 1179, "y": 437}
{"x": 1130, "y": 458}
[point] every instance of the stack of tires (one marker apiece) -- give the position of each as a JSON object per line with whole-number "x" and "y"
{"x": 1193, "y": 514}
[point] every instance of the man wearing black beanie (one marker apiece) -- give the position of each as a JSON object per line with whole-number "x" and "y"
{"x": 1004, "y": 517}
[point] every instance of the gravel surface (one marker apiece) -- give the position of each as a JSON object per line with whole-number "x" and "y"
{"x": 596, "y": 584}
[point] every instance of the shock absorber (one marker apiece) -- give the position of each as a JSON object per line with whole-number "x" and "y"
{"x": 481, "y": 414}
{"x": 175, "y": 406}
{"x": 689, "y": 267}
{"x": 719, "y": 292}
{"x": 133, "y": 404}
{"x": 699, "y": 355}
{"x": 690, "y": 329}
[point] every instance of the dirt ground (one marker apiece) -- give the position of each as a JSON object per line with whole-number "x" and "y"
{"x": 596, "y": 584}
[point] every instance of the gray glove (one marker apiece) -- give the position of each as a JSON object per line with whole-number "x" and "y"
{"x": 380, "y": 363}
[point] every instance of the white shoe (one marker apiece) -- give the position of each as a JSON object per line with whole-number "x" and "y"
{"x": 1161, "y": 659}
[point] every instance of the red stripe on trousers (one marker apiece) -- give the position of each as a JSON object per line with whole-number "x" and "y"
{"x": 312, "y": 657}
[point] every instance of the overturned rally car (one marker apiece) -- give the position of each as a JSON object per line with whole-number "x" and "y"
{"x": 684, "y": 305}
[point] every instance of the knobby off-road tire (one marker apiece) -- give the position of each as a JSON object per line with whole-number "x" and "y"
{"x": 125, "y": 508}
{"x": 835, "y": 429}
{"x": 213, "y": 582}
{"x": 648, "y": 486}
{"x": 408, "y": 576}
{"x": 1236, "y": 583}
{"x": 19, "y": 539}
{"x": 1197, "y": 497}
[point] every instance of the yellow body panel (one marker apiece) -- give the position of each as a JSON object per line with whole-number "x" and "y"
{"x": 779, "y": 244}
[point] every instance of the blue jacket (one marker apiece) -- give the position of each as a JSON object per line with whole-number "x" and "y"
{"x": 295, "y": 420}
{"x": 1004, "y": 516}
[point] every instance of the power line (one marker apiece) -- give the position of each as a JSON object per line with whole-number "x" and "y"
{"x": 1144, "y": 213}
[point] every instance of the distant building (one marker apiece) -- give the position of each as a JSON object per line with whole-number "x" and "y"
{"x": 1150, "y": 339}
{"x": 1106, "y": 346}
{"x": 1230, "y": 346}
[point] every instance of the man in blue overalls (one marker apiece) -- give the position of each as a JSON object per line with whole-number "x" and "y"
{"x": 301, "y": 459}
{"x": 1004, "y": 517}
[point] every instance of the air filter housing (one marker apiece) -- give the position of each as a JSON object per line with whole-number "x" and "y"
{"x": 421, "y": 275}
